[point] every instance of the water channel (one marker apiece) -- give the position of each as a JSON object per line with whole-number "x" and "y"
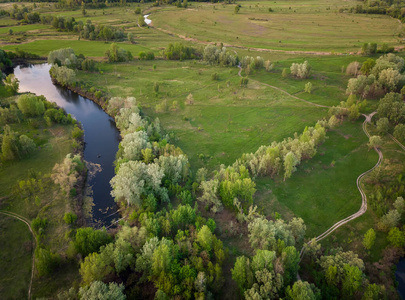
{"x": 100, "y": 133}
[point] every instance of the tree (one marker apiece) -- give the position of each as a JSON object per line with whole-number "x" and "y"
{"x": 300, "y": 70}
{"x": 353, "y": 68}
{"x": 237, "y": 8}
{"x": 31, "y": 105}
{"x": 389, "y": 79}
{"x": 308, "y": 87}
{"x": 11, "y": 83}
{"x": 96, "y": 267}
{"x": 63, "y": 75}
{"x": 396, "y": 237}
{"x": 399, "y": 132}
{"x": 205, "y": 238}
{"x": 141, "y": 21}
{"x": 89, "y": 240}
{"x": 284, "y": 74}
{"x": 100, "y": 291}
{"x": 352, "y": 281}
{"x": 367, "y": 66}
{"x": 242, "y": 274}
{"x": 383, "y": 125}
{"x": 389, "y": 220}
{"x": 399, "y": 205}
{"x": 290, "y": 162}
{"x": 369, "y": 238}
{"x": 374, "y": 142}
{"x": 45, "y": 261}
{"x": 302, "y": 290}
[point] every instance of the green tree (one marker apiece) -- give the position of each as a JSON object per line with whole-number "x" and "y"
{"x": 369, "y": 238}
{"x": 45, "y": 261}
{"x": 383, "y": 125}
{"x": 237, "y": 8}
{"x": 308, "y": 87}
{"x": 367, "y": 66}
{"x": 242, "y": 273}
{"x": 374, "y": 142}
{"x": 98, "y": 290}
{"x": 89, "y": 240}
{"x": 302, "y": 290}
{"x": 399, "y": 132}
{"x": 96, "y": 267}
{"x": 353, "y": 279}
{"x": 290, "y": 162}
{"x": 396, "y": 237}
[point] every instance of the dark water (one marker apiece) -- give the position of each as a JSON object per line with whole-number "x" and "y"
{"x": 400, "y": 276}
{"x": 100, "y": 134}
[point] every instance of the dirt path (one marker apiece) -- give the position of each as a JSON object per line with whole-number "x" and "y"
{"x": 27, "y": 222}
{"x": 363, "y": 207}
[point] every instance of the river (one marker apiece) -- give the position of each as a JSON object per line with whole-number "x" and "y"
{"x": 101, "y": 136}
{"x": 400, "y": 277}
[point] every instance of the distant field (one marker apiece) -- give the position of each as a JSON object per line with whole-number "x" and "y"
{"x": 89, "y": 48}
{"x": 308, "y": 25}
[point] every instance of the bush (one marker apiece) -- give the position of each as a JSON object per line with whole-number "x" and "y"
{"x": 70, "y": 218}
{"x": 77, "y": 133}
{"x": 89, "y": 240}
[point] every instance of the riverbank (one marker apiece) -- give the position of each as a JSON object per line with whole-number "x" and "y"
{"x": 101, "y": 137}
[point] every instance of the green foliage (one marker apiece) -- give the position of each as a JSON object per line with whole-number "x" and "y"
{"x": 96, "y": 267}
{"x": 302, "y": 290}
{"x": 89, "y": 240}
{"x": 244, "y": 81}
{"x": 396, "y": 237}
{"x": 146, "y": 55}
{"x": 39, "y": 225}
{"x": 77, "y": 133}
{"x": 300, "y": 70}
{"x": 11, "y": 83}
{"x": 63, "y": 75}
{"x": 399, "y": 132}
{"x": 70, "y": 218}
{"x": 31, "y": 105}
{"x": 178, "y": 51}
{"x": 308, "y": 87}
{"x": 101, "y": 291}
{"x": 369, "y": 238}
{"x": 45, "y": 261}
{"x": 117, "y": 54}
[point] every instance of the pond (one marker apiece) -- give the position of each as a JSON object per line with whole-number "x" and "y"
{"x": 101, "y": 136}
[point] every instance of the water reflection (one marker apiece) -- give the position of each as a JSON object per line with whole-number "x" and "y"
{"x": 100, "y": 133}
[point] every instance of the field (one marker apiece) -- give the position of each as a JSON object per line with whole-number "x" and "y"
{"x": 215, "y": 120}
{"x": 305, "y": 26}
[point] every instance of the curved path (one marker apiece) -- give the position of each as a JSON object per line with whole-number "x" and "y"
{"x": 27, "y": 222}
{"x": 363, "y": 207}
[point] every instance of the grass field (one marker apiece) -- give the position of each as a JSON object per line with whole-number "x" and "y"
{"x": 225, "y": 119}
{"x": 307, "y": 25}
{"x": 15, "y": 258}
{"x": 54, "y": 144}
{"x": 323, "y": 190}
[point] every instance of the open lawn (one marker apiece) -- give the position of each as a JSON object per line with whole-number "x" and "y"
{"x": 307, "y": 25}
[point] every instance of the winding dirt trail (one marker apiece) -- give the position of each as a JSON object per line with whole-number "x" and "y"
{"x": 363, "y": 207}
{"x": 27, "y": 222}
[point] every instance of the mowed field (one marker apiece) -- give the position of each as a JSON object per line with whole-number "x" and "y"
{"x": 309, "y": 25}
